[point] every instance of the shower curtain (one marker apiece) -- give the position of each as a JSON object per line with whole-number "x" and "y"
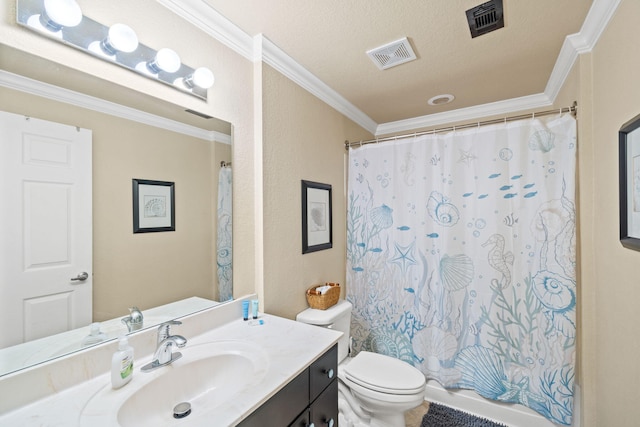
{"x": 224, "y": 241}
{"x": 461, "y": 258}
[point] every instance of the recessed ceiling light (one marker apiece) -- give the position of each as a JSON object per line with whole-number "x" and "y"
{"x": 441, "y": 99}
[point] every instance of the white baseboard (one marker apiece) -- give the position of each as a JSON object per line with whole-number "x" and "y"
{"x": 505, "y": 413}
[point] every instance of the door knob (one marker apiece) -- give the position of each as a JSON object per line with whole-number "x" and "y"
{"x": 81, "y": 277}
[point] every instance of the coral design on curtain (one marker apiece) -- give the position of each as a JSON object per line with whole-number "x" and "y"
{"x": 461, "y": 258}
{"x": 224, "y": 242}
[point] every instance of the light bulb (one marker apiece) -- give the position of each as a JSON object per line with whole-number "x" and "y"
{"x": 201, "y": 77}
{"x": 165, "y": 60}
{"x": 58, "y": 14}
{"x": 121, "y": 38}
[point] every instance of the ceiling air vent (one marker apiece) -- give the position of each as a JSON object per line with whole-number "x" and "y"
{"x": 392, "y": 54}
{"x": 485, "y": 18}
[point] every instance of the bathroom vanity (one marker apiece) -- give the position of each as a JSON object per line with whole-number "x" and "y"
{"x": 309, "y": 399}
{"x": 232, "y": 372}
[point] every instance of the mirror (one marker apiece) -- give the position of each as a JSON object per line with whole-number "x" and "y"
{"x": 165, "y": 274}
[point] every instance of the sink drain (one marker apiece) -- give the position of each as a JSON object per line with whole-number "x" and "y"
{"x": 181, "y": 410}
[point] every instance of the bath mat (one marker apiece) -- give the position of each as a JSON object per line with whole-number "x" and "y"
{"x": 444, "y": 416}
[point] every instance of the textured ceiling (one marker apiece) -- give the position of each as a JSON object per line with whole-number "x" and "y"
{"x": 330, "y": 39}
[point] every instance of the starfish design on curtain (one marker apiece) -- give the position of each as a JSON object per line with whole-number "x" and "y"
{"x": 404, "y": 256}
{"x": 466, "y": 157}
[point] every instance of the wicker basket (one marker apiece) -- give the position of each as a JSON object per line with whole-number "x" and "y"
{"x": 326, "y": 300}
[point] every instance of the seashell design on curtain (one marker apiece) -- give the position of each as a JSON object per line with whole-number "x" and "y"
{"x": 461, "y": 258}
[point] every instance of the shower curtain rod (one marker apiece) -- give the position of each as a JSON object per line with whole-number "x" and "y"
{"x": 573, "y": 109}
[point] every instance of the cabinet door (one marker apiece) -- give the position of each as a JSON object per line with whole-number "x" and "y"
{"x": 285, "y": 406}
{"x": 323, "y": 371}
{"x": 324, "y": 410}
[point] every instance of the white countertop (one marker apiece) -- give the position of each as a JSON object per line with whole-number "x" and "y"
{"x": 289, "y": 347}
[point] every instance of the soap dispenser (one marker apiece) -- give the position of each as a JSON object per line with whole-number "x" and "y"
{"x": 95, "y": 336}
{"x": 122, "y": 364}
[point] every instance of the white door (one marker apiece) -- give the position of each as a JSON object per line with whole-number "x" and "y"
{"x": 45, "y": 228}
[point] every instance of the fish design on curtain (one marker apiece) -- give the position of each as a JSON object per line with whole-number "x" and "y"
{"x": 461, "y": 258}
{"x": 224, "y": 248}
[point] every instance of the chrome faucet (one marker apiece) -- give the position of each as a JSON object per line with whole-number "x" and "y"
{"x": 135, "y": 319}
{"x": 163, "y": 355}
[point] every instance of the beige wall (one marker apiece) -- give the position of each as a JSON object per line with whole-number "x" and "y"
{"x": 610, "y": 93}
{"x": 303, "y": 139}
{"x": 147, "y": 269}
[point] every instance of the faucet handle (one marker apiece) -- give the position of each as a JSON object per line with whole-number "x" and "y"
{"x": 136, "y": 315}
{"x": 164, "y": 330}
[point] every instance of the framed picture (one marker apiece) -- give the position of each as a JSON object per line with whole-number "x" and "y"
{"x": 317, "y": 229}
{"x": 153, "y": 206}
{"x": 629, "y": 159}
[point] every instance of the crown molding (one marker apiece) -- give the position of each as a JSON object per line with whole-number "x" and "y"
{"x": 212, "y": 22}
{"x": 209, "y": 20}
{"x": 465, "y": 114}
{"x": 562, "y": 68}
{"x": 275, "y": 57}
{"x": 56, "y": 93}
{"x": 259, "y": 48}
{"x": 597, "y": 19}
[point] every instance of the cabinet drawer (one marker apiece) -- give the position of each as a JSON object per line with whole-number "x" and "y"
{"x": 324, "y": 410}
{"x": 322, "y": 372}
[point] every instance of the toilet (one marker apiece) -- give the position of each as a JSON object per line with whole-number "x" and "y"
{"x": 374, "y": 390}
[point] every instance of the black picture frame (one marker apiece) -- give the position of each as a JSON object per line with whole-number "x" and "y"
{"x": 629, "y": 168}
{"x": 317, "y": 221}
{"x": 154, "y": 206}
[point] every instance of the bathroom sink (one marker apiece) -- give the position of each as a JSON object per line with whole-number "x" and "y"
{"x": 207, "y": 377}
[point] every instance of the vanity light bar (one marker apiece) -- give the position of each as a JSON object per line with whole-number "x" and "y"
{"x": 62, "y": 20}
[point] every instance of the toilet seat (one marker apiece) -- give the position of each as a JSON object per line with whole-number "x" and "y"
{"x": 384, "y": 374}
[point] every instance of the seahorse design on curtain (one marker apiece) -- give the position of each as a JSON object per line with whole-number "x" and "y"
{"x": 461, "y": 258}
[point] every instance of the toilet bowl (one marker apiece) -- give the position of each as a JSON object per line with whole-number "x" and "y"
{"x": 374, "y": 390}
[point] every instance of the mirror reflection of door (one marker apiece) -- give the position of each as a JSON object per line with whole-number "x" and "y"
{"x": 45, "y": 228}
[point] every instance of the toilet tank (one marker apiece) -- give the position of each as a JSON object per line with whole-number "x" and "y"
{"x": 337, "y": 317}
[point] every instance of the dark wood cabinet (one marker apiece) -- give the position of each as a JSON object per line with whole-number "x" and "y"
{"x": 310, "y": 399}
{"x": 324, "y": 410}
{"x": 302, "y": 420}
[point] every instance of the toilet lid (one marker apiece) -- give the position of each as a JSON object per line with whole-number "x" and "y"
{"x": 384, "y": 374}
